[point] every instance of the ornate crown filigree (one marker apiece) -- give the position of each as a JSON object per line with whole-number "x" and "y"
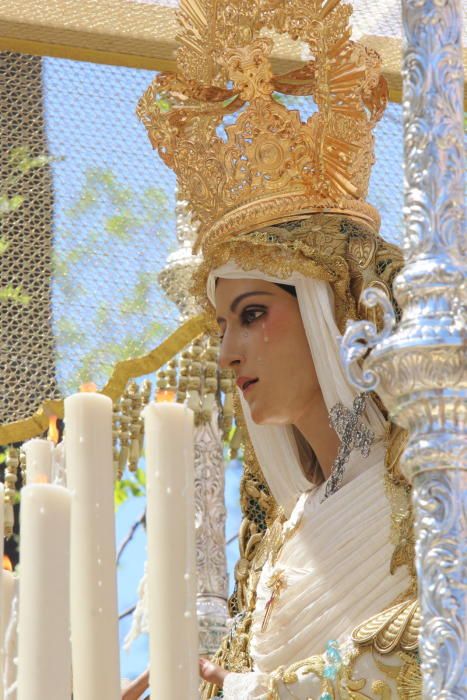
{"x": 242, "y": 158}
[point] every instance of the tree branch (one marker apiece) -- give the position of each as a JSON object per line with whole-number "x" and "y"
{"x": 128, "y": 611}
{"x": 141, "y": 520}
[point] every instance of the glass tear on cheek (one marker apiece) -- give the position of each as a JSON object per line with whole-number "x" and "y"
{"x": 265, "y": 336}
{"x": 245, "y": 334}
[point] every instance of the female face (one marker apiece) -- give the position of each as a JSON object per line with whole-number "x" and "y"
{"x": 264, "y": 342}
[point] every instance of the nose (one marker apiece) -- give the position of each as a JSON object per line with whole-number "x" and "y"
{"x": 230, "y": 355}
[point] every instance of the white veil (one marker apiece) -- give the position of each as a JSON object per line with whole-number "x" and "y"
{"x": 275, "y": 446}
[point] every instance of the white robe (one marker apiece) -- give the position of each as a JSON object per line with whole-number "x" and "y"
{"x": 336, "y": 567}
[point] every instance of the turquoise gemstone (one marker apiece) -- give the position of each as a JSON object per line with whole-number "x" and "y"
{"x": 325, "y": 696}
{"x": 332, "y": 643}
{"x": 330, "y": 672}
{"x": 333, "y": 656}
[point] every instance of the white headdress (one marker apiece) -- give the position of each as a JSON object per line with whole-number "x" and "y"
{"x": 275, "y": 445}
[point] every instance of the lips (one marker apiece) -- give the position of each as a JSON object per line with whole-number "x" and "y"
{"x": 244, "y": 382}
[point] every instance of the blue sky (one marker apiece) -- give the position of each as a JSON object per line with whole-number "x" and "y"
{"x": 91, "y": 123}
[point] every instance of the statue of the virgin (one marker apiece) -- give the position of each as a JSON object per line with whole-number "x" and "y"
{"x": 328, "y": 607}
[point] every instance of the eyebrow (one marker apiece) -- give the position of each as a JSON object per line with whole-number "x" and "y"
{"x": 240, "y": 298}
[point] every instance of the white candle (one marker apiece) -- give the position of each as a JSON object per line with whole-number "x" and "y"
{"x": 2, "y": 590}
{"x": 9, "y": 636}
{"x": 38, "y": 460}
{"x": 93, "y": 582}
{"x": 173, "y": 630}
{"x": 8, "y": 592}
{"x": 58, "y": 464}
{"x": 44, "y": 659}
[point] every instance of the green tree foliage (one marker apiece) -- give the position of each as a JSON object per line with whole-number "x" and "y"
{"x": 109, "y": 220}
{"x": 132, "y": 487}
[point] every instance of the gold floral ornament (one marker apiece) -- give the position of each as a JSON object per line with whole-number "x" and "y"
{"x": 277, "y": 583}
{"x": 271, "y": 166}
{"x": 396, "y": 628}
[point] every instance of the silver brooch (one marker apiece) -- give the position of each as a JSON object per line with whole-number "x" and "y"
{"x": 354, "y": 435}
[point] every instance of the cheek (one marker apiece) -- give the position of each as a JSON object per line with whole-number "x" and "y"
{"x": 288, "y": 356}
{"x": 274, "y": 326}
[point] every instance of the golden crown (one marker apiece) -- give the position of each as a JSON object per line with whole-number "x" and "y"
{"x": 242, "y": 158}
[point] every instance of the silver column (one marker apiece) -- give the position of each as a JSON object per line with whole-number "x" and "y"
{"x": 421, "y": 366}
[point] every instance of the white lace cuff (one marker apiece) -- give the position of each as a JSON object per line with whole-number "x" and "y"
{"x": 246, "y": 686}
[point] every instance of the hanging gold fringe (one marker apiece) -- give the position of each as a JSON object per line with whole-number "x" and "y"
{"x": 35, "y": 425}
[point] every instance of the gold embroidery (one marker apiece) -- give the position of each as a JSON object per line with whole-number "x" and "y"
{"x": 290, "y": 675}
{"x": 346, "y": 683}
{"x": 233, "y": 654}
{"x": 409, "y": 679}
{"x": 321, "y": 247}
{"x": 260, "y": 512}
{"x": 391, "y": 630}
{"x": 277, "y": 582}
{"x": 398, "y": 491}
{"x": 406, "y": 676}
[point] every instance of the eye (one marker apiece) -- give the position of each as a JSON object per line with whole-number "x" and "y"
{"x": 251, "y": 314}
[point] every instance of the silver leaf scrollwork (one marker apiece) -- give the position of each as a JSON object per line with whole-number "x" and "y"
{"x": 421, "y": 367}
{"x": 362, "y": 336}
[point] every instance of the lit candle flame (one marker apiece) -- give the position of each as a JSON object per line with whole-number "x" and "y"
{"x": 40, "y": 479}
{"x": 7, "y": 565}
{"x": 53, "y": 433}
{"x": 165, "y": 395}
{"x": 88, "y": 388}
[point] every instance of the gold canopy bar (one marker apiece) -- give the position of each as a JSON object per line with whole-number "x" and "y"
{"x": 135, "y": 34}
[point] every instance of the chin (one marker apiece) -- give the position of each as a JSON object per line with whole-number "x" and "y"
{"x": 260, "y": 416}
